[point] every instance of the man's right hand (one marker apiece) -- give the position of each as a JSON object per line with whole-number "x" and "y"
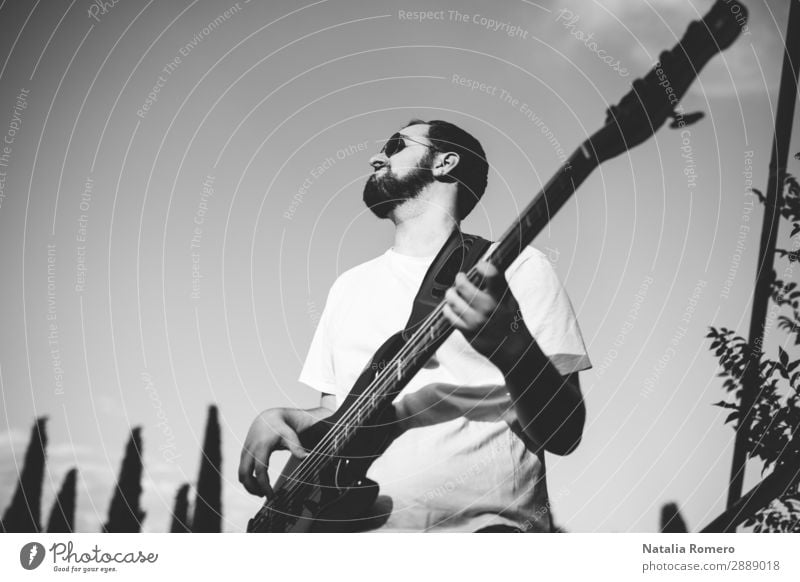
{"x": 273, "y": 430}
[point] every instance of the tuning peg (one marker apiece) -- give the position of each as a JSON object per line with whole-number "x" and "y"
{"x": 683, "y": 119}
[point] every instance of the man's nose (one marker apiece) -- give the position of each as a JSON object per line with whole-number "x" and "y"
{"x": 378, "y": 161}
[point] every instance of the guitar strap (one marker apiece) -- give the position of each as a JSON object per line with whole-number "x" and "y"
{"x": 459, "y": 254}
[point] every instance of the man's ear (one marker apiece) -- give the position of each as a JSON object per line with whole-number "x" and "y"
{"x": 444, "y": 164}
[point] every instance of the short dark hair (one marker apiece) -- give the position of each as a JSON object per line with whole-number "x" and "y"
{"x": 472, "y": 171}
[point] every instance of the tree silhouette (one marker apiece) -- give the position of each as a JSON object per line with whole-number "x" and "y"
{"x": 23, "y": 515}
{"x": 772, "y": 432}
{"x": 62, "y": 515}
{"x": 180, "y": 513}
{"x": 124, "y": 513}
{"x": 671, "y": 519}
{"x": 208, "y": 503}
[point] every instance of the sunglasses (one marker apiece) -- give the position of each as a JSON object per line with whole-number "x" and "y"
{"x": 397, "y": 143}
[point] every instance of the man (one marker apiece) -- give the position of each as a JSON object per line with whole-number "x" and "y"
{"x": 475, "y": 422}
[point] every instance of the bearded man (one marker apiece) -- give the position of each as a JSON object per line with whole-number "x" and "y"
{"x": 475, "y": 423}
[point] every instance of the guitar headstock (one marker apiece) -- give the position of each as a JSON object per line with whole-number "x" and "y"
{"x": 653, "y": 98}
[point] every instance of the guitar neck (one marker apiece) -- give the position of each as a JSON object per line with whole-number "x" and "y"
{"x": 547, "y": 202}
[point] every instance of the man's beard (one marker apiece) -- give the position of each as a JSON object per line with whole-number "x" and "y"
{"x": 382, "y": 194}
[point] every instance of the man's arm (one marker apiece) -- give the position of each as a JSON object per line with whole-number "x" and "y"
{"x": 549, "y": 406}
{"x": 272, "y": 430}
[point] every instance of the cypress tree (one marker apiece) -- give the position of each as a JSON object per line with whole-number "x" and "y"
{"x": 671, "y": 520}
{"x": 124, "y": 513}
{"x": 62, "y": 515}
{"x": 208, "y": 503}
{"x": 180, "y": 513}
{"x": 24, "y": 513}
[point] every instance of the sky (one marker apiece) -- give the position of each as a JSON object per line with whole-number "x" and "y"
{"x": 183, "y": 185}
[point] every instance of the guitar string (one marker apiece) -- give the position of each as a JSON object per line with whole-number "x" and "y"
{"x": 419, "y": 337}
{"x": 377, "y": 386}
{"x": 375, "y": 390}
{"x": 302, "y": 474}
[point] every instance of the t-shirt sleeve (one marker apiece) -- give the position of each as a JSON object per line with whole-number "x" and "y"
{"x": 547, "y": 311}
{"x": 318, "y": 369}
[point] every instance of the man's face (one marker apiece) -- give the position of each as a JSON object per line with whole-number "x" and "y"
{"x": 400, "y": 174}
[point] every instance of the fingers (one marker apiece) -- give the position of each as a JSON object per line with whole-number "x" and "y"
{"x": 477, "y": 298}
{"x": 472, "y": 304}
{"x": 246, "y": 471}
{"x": 292, "y": 443}
{"x": 253, "y": 474}
{"x": 486, "y": 269}
{"x": 261, "y": 475}
{"x": 475, "y": 308}
{"x": 454, "y": 319}
{"x": 463, "y": 312}
{"x": 493, "y": 280}
{"x": 254, "y": 467}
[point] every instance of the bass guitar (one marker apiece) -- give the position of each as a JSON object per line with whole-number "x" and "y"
{"x": 328, "y": 489}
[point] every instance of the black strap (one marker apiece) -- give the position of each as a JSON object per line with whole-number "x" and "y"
{"x": 458, "y": 254}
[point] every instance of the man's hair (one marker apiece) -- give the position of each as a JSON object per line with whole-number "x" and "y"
{"x": 472, "y": 170}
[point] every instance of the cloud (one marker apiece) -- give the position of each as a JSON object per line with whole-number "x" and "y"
{"x": 70, "y": 450}
{"x": 13, "y": 438}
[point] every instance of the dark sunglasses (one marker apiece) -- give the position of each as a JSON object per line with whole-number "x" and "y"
{"x": 397, "y": 143}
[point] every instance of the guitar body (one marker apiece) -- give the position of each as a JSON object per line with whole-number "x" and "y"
{"x": 338, "y": 496}
{"x": 335, "y": 500}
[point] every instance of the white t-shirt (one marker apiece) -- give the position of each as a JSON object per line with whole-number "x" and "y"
{"x": 457, "y": 466}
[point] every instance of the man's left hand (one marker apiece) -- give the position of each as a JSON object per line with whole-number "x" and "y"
{"x": 486, "y": 315}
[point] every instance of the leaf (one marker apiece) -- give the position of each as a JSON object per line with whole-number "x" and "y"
{"x": 783, "y": 356}
{"x": 732, "y": 416}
